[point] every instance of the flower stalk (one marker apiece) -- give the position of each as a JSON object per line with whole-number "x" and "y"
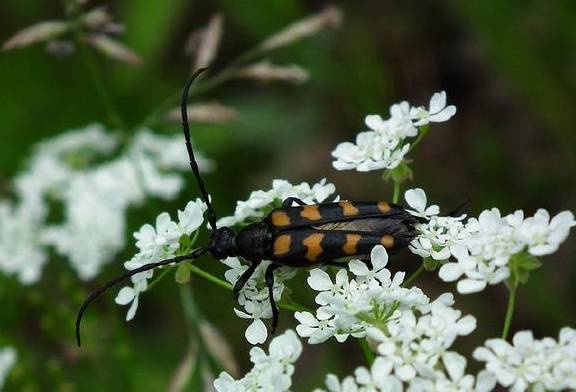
{"x": 510, "y": 309}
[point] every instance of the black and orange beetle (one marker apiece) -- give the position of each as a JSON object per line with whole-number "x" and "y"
{"x": 295, "y": 235}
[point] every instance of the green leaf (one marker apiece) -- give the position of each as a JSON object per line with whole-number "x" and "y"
{"x": 521, "y": 264}
{"x": 400, "y": 173}
{"x": 182, "y": 275}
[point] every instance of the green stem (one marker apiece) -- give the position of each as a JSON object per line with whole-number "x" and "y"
{"x": 190, "y": 311}
{"x": 99, "y": 84}
{"x": 159, "y": 278}
{"x": 369, "y": 355}
{"x": 421, "y": 134}
{"x": 293, "y": 306}
{"x": 408, "y": 282}
{"x": 396, "y": 194}
{"x": 208, "y": 276}
{"x": 509, "y": 310}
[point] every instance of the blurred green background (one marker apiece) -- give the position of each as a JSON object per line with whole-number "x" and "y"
{"x": 509, "y": 67}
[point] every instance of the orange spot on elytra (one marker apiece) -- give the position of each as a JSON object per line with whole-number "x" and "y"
{"x": 311, "y": 212}
{"x": 280, "y": 218}
{"x": 351, "y": 245}
{"x": 384, "y": 207}
{"x": 348, "y": 208}
{"x": 312, "y": 244}
{"x": 387, "y": 241}
{"x": 282, "y": 244}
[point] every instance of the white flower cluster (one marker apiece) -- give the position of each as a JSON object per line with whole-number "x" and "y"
{"x": 449, "y": 376}
{"x": 156, "y": 243}
{"x": 410, "y": 335}
{"x": 75, "y": 170}
{"x": 271, "y": 373}
{"x": 531, "y": 364}
{"x": 7, "y": 360}
{"x": 349, "y": 306}
{"x": 385, "y": 144}
{"x": 483, "y": 246}
{"x": 415, "y": 344}
{"x": 260, "y": 203}
{"x": 254, "y": 297}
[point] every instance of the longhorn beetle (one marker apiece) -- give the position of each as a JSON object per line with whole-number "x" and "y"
{"x": 295, "y": 235}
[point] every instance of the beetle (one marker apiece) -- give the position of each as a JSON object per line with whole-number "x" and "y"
{"x": 295, "y": 235}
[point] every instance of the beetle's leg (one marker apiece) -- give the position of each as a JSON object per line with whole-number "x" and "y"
{"x": 270, "y": 284}
{"x": 291, "y": 200}
{"x": 244, "y": 278}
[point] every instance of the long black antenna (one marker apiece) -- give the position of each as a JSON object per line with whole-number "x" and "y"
{"x": 101, "y": 290}
{"x": 193, "y": 164}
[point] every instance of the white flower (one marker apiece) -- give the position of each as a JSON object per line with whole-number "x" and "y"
{"x": 440, "y": 234}
{"x": 416, "y": 198}
{"x": 348, "y": 306}
{"x": 451, "y": 377}
{"x": 21, "y": 252}
{"x": 532, "y": 364}
{"x": 314, "y": 328}
{"x": 254, "y": 296}
{"x": 192, "y": 217}
{"x": 416, "y": 341}
{"x": 271, "y": 372}
{"x": 372, "y": 151}
{"x": 156, "y": 243}
{"x": 256, "y": 333}
{"x": 377, "y": 378}
{"x": 437, "y": 111}
{"x": 333, "y": 384}
{"x": 260, "y": 203}
{"x": 385, "y": 145}
{"x": 483, "y": 246}
{"x": 7, "y": 360}
{"x": 544, "y": 236}
{"x": 77, "y": 170}
{"x": 379, "y": 259}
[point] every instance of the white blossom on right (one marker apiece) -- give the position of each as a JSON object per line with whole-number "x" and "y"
{"x": 483, "y": 247}
{"x": 532, "y": 364}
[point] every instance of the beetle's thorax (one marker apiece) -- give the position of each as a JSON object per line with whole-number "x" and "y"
{"x": 251, "y": 243}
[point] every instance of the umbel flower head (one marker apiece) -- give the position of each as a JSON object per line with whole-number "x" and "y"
{"x": 81, "y": 169}
{"x": 159, "y": 242}
{"x": 532, "y": 364}
{"x": 487, "y": 247}
{"x": 385, "y": 145}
